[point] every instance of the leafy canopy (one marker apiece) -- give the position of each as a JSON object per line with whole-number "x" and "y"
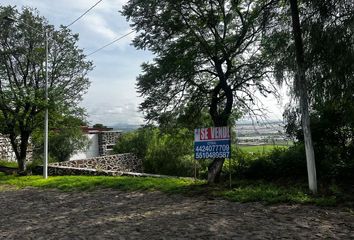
{"x": 22, "y": 74}
{"x": 207, "y": 56}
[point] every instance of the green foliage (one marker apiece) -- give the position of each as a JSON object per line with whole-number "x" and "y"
{"x": 261, "y": 148}
{"x": 207, "y": 60}
{"x": 22, "y": 74}
{"x": 171, "y": 154}
{"x": 242, "y": 191}
{"x": 99, "y": 125}
{"x": 333, "y": 134}
{"x": 8, "y": 164}
{"x": 73, "y": 183}
{"x": 331, "y": 50}
{"x": 279, "y": 163}
{"x": 290, "y": 163}
{"x": 334, "y": 143}
{"x": 162, "y": 153}
{"x": 136, "y": 142}
{"x": 329, "y": 55}
{"x": 65, "y": 138}
{"x": 258, "y": 191}
{"x": 206, "y": 57}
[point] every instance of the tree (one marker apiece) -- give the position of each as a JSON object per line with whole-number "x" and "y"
{"x": 327, "y": 52}
{"x": 206, "y": 58}
{"x": 99, "y": 125}
{"x": 328, "y": 32}
{"x": 65, "y": 138}
{"x": 301, "y": 83}
{"x": 332, "y": 51}
{"x": 22, "y": 72}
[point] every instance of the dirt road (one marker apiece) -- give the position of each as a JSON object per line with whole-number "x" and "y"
{"x": 110, "y": 214}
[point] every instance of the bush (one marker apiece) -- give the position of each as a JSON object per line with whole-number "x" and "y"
{"x": 136, "y": 141}
{"x": 286, "y": 163}
{"x": 65, "y": 138}
{"x": 290, "y": 164}
{"x": 332, "y": 127}
{"x": 279, "y": 163}
{"x": 162, "y": 153}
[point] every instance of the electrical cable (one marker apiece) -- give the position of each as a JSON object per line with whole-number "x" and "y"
{"x": 77, "y": 19}
{"x": 116, "y": 40}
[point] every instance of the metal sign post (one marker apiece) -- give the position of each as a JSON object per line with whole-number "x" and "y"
{"x": 230, "y": 171}
{"x": 195, "y": 170}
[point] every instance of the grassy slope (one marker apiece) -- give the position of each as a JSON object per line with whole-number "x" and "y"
{"x": 242, "y": 191}
{"x": 70, "y": 183}
{"x": 8, "y": 164}
{"x": 261, "y": 148}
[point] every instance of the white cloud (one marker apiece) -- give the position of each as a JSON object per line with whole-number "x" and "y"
{"x": 98, "y": 26}
{"x": 112, "y": 114}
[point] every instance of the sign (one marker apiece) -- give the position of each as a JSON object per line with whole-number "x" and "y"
{"x": 212, "y": 142}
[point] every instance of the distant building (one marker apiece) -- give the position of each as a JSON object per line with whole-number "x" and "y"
{"x": 101, "y": 140}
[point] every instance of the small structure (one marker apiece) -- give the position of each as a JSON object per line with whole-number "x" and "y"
{"x": 101, "y": 144}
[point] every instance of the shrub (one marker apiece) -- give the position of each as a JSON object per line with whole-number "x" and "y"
{"x": 279, "y": 163}
{"x": 332, "y": 127}
{"x": 136, "y": 141}
{"x": 162, "y": 153}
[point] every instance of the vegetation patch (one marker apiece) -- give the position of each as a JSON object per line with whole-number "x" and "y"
{"x": 242, "y": 191}
{"x": 261, "y": 148}
{"x": 270, "y": 193}
{"x": 8, "y": 164}
{"x": 70, "y": 183}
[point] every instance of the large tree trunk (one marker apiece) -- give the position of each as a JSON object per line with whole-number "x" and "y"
{"x": 20, "y": 150}
{"x": 301, "y": 87}
{"x": 214, "y": 170}
{"x": 220, "y": 119}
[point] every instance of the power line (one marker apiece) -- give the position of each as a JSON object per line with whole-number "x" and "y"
{"x": 77, "y": 19}
{"x": 116, "y": 40}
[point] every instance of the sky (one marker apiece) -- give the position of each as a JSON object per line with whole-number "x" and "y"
{"x": 112, "y": 98}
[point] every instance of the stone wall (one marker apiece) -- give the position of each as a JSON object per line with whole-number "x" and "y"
{"x": 126, "y": 162}
{"x": 7, "y": 153}
{"x": 64, "y": 171}
{"x": 106, "y": 141}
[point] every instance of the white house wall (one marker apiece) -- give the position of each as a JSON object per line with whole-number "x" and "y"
{"x": 92, "y": 150}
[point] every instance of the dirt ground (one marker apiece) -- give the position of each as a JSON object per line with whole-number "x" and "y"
{"x": 33, "y": 213}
